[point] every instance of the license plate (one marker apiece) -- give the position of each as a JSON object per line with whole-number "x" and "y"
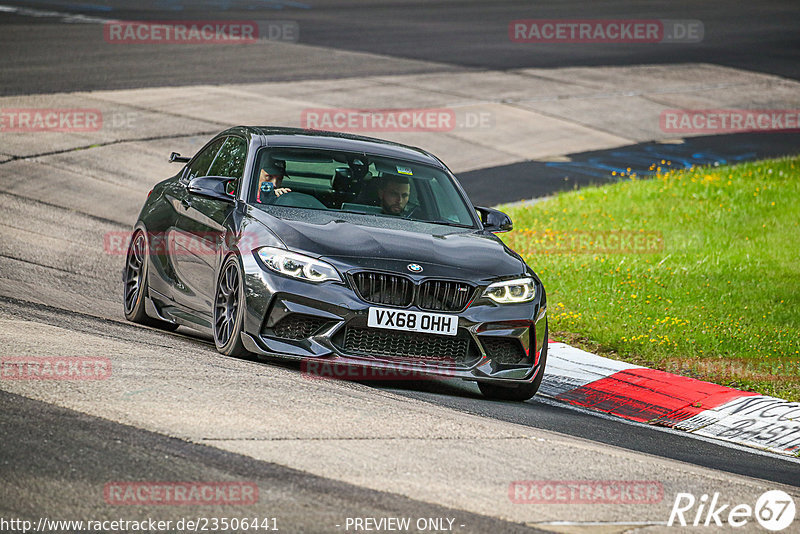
{"x": 413, "y": 321}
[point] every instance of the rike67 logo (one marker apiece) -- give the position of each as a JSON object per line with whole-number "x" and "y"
{"x": 774, "y": 510}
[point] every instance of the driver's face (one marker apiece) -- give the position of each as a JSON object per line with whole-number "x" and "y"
{"x": 394, "y": 197}
{"x": 266, "y": 177}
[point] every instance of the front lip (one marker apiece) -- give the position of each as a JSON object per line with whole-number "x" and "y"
{"x": 482, "y": 371}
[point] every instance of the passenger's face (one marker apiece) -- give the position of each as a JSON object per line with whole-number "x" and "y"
{"x": 394, "y": 197}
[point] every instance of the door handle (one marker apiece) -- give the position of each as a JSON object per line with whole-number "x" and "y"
{"x": 186, "y": 203}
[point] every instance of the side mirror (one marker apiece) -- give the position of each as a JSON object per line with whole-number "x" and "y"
{"x": 494, "y": 221}
{"x": 177, "y": 158}
{"x": 215, "y": 187}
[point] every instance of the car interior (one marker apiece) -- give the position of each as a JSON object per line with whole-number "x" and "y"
{"x": 350, "y": 183}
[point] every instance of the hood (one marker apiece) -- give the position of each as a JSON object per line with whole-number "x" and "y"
{"x": 352, "y": 241}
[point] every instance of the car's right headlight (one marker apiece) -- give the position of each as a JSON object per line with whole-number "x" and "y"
{"x": 298, "y": 266}
{"x": 512, "y": 291}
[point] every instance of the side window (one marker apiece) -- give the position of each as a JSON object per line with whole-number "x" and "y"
{"x": 202, "y": 161}
{"x": 230, "y": 159}
{"x": 447, "y": 202}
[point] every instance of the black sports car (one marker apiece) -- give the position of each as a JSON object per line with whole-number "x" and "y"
{"x": 329, "y": 247}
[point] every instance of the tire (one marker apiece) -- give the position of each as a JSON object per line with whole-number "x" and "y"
{"x": 134, "y": 288}
{"x": 228, "y": 312}
{"x": 517, "y": 392}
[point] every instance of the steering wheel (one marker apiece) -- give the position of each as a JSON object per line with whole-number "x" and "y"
{"x": 411, "y": 212}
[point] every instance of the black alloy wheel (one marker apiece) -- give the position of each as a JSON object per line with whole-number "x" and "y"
{"x": 134, "y": 273}
{"x": 229, "y": 309}
{"x": 135, "y": 284}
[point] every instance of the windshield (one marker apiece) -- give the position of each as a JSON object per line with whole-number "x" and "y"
{"x": 356, "y": 183}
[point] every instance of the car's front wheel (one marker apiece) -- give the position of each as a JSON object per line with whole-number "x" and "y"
{"x": 229, "y": 309}
{"x": 135, "y": 280}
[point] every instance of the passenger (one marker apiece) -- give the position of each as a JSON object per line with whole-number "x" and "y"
{"x": 394, "y": 192}
{"x": 270, "y": 180}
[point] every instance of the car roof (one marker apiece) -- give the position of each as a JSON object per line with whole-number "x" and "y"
{"x": 297, "y": 137}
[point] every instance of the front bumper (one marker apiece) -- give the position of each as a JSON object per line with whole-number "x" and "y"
{"x": 297, "y": 320}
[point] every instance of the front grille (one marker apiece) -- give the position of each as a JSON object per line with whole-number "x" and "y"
{"x": 445, "y": 350}
{"x": 443, "y": 295}
{"x": 298, "y": 326}
{"x": 384, "y": 288}
{"x": 503, "y": 349}
{"x": 396, "y": 290}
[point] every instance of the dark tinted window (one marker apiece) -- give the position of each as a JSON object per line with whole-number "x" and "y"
{"x": 199, "y": 166}
{"x": 230, "y": 159}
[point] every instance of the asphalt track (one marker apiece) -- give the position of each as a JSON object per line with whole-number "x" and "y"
{"x": 41, "y": 54}
{"x": 54, "y": 458}
{"x": 61, "y": 451}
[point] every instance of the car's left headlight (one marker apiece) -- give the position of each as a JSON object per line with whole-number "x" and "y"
{"x": 512, "y": 291}
{"x": 297, "y": 265}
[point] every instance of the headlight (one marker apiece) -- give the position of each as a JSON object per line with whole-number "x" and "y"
{"x": 512, "y": 291}
{"x": 297, "y": 265}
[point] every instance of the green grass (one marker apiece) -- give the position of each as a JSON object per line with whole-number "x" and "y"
{"x": 719, "y": 301}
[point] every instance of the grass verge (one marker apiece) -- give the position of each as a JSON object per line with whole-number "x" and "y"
{"x": 695, "y": 272}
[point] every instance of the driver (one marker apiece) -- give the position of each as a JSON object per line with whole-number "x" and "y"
{"x": 394, "y": 193}
{"x": 269, "y": 181}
